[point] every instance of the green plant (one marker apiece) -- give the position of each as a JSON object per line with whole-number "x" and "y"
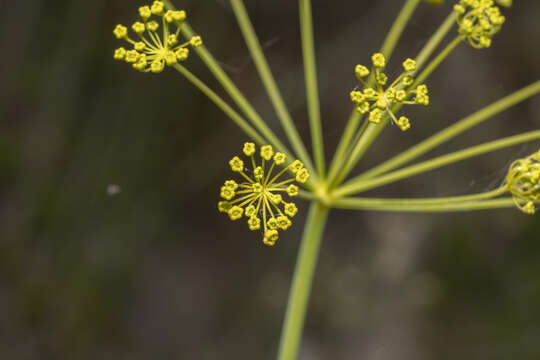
{"x": 375, "y": 105}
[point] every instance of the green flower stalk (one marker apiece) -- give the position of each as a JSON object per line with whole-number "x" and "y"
{"x": 379, "y": 101}
{"x": 261, "y": 195}
{"x": 152, "y": 53}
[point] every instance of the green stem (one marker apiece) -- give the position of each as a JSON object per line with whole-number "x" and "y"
{"x": 302, "y": 280}
{"x": 445, "y": 200}
{"x": 355, "y": 186}
{"x": 437, "y": 61}
{"x": 453, "y": 130}
{"x": 312, "y": 88}
{"x": 238, "y": 120}
{"x": 269, "y": 83}
{"x": 231, "y": 88}
{"x": 387, "y": 48}
{"x": 402, "y": 205}
{"x": 435, "y": 40}
{"x": 397, "y": 28}
{"x": 373, "y": 130}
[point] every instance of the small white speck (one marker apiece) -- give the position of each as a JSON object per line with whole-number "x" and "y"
{"x": 113, "y": 189}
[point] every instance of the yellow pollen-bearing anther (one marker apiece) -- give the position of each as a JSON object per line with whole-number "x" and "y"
{"x": 195, "y": 41}
{"x": 249, "y": 149}
{"x": 271, "y": 237}
{"x": 120, "y": 53}
{"x": 267, "y": 152}
{"x": 296, "y": 166}
{"x": 138, "y": 28}
{"x": 375, "y": 116}
{"x": 231, "y": 184}
{"x": 145, "y": 12}
{"x": 224, "y": 206}
{"x": 290, "y": 209}
{"x": 283, "y": 222}
{"x": 235, "y": 212}
{"x": 236, "y": 164}
{"x": 260, "y": 193}
{"x": 182, "y": 54}
{"x": 361, "y": 71}
{"x": 302, "y": 176}
{"x": 157, "y": 8}
{"x": 292, "y": 190}
{"x": 409, "y": 65}
{"x": 403, "y": 123}
{"x": 227, "y": 193}
{"x": 250, "y": 211}
{"x": 379, "y": 61}
{"x": 254, "y": 223}
{"x": 120, "y": 31}
{"x": 280, "y": 158}
{"x": 132, "y": 56}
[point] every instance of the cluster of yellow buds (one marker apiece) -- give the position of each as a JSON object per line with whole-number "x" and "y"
{"x": 260, "y": 195}
{"x": 478, "y": 21}
{"x": 378, "y": 101}
{"x": 154, "y": 52}
{"x": 523, "y": 182}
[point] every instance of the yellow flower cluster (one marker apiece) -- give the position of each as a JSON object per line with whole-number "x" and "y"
{"x": 478, "y": 21}
{"x": 259, "y": 195}
{"x": 378, "y": 101}
{"x": 152, "y": 53}
{"x": 523, "y": 182}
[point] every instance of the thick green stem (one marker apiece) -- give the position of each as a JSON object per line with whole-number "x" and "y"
{"x": 397, "y": 28}
{"x": 453, "y": 130}
{"x": 403, "y": 205}
{"x": 301, "y": 285}
{"x": 355, "y": 186}
{"x": 312, "y": 87}
{"x": 238, "y": 120}
{"x": 435, "y": 40}
{"x": 437, "y": 61}
{"x": 269, "y": 83}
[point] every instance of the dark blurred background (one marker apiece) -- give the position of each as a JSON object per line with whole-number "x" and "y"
{"x": 110, "y": 243}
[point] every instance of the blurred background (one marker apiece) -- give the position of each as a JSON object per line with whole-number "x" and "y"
{"x": 111, "y": 246}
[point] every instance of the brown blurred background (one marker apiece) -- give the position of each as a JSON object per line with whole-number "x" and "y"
{"x": 110, "y": 243}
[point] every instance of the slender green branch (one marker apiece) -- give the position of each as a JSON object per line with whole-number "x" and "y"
{"x": 402, "y": 205}
{"x": 302, "y": 280}
{"x": 397, "y": 28}
{"x": 232, "y": 89}
{"x": 387, "y": 49}
{"x": 444, "y": 200}
{"x": 238, "y": 120}
{"x": 355, "y": 186}
{"x": 312, "y": 88}
{"x": 435, "y": 40}
{"x": 269, "y": 83}
{"x": 437, "y": 61}
{"x": 373, "y": 130}
{"x": 453, "y": 130}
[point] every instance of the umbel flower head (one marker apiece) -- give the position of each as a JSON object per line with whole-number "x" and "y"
{"x": 259, "y": 196}
{"x": 378, "y": 101}
{"x": 523, "y": 182}
{"x": 153, "y": 50}
{"x": 478, "y": 21}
